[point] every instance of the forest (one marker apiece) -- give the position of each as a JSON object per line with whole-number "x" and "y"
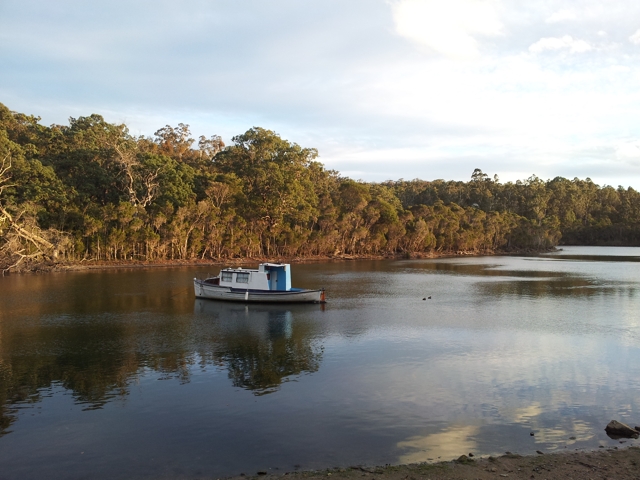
{"x": 90, "y": 191}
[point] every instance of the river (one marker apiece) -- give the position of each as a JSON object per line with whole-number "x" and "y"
{"x": 124, "y": 374}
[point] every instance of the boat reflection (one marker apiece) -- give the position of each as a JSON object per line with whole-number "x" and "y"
{"x": 261, "y": 346}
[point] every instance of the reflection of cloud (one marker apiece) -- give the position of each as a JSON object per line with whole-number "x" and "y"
{"x": 523, "y": 415}
{"x": 567, "y": 434}
{"x": 555, "y": 436}
{"x": 451, "y": 443}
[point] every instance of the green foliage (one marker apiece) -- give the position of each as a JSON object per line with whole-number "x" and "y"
{"x": 103, "y": 194}
{"x": 175, "y": 180}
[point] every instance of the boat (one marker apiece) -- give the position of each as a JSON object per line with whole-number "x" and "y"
{"x": 269, "y": 283}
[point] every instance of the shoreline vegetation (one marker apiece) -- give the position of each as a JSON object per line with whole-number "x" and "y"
{"x": 91, "y": 192}
{"x": 605, "y": 463}
{"x": 46, "y": 267}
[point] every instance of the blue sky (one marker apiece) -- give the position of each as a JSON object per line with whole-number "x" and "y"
{"x": 385, "y": 89}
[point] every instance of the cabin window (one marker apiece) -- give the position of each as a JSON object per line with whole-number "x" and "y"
{"x": 242, "y": 278}
{"x": 227, "y": 276}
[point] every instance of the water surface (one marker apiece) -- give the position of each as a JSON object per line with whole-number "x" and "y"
{"x": 123, "y": 374}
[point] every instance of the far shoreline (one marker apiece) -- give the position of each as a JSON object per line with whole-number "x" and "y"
{"x": 86, "y": 265}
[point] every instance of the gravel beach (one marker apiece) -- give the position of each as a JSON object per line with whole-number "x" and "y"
{"x": 612, "y": 463}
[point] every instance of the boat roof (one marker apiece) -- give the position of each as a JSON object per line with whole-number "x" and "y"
{"x": 240, "y": 269}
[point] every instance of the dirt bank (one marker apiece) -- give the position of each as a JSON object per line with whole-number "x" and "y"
{"x": 614, "y": 463}
{"x": 48, "y": 266}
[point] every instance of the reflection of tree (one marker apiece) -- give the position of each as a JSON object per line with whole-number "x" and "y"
{"x": 6, "y": 417}
{"x": 262, "y": 364}
{"x": 96, "y": 357}
{"x": 94, "y": 360}
{"x": 93, "y": 373}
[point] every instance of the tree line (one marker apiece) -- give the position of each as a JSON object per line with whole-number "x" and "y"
{"x": 92, "y": 191}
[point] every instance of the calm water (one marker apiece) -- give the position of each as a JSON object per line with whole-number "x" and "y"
{"x": 123, "y": 374}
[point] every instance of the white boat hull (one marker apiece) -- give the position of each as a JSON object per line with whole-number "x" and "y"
{"x": 217, "y": 292}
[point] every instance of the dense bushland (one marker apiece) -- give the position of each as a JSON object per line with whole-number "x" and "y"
{"x": 92, "y": 191}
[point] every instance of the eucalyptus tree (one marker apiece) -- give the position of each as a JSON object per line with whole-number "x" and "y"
{"x": 277, "y": 187}
{"x": 21, "y": 238}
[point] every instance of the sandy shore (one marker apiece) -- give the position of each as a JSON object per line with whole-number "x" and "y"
{"x": 612, "y": 463}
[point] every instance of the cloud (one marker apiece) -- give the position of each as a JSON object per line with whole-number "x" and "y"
{"x": 629, "y": 151}
{"x": 560, "y": 43}
{"x": 635, "y": 38}
{"x": 448, "y": 28}
{"x": 561, "y": 16}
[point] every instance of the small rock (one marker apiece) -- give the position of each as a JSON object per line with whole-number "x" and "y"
{"x": 368, "y": 470}
{"x": 470, "y": 454}
{"x": 494, "y": 469}
{"x": 261, "y": 472}
{"x": 572, "y": 438}
{"x": 532, "y": 434}
{"x": 424, "y": 298}
{"x": 637, "y": 428}
{"x": 617, "y": 429}
{"x": 539, "y": 452}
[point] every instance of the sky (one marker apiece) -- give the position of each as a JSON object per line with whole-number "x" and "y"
{"x": 384, "y": 89}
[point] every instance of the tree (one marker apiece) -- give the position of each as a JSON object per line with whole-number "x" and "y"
{"x": 175, "y": 142}
{"x": 276, "y": 181}
{"x": 20, "y": 238}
